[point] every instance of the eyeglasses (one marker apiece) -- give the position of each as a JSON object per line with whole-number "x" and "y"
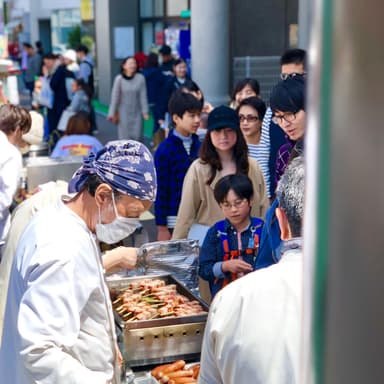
{"x": 285, "y": 76}
{"x": 249, "y": 118}
{"x": 287, "y": 117}
{"x": 236, "y": 204}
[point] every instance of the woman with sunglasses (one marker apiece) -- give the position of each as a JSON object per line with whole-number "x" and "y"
{"x": 251, "y": 112}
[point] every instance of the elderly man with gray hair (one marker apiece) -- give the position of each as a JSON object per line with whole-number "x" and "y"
{"x": 254, "y": 324}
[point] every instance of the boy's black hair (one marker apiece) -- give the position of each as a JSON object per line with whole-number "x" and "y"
{"x": 181, "y": 102}
{"x": 82, "y": 48}
{"x": 256, "y": 103}
{"x": 294, "y": 56}
{"x": 239, "y": 183}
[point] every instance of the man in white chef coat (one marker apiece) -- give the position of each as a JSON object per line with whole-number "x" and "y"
{"x": 254, "y": 324}
{"x": 58, "y": 325}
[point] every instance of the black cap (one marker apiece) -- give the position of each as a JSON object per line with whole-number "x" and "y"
{"x": 223, "y": 117}
{"x": 165, "y": 50}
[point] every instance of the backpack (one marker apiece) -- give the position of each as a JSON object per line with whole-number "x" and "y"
{"x": 90, "y": 81}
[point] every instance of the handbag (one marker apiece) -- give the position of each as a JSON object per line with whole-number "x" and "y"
{"x": 45, "y": 98}
{"x": 64, "y": 118}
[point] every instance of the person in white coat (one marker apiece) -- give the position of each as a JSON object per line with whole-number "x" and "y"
{"x": 254, "y": 324}
{"x": 13, "y": 125}
{"x": 58, "y": 325}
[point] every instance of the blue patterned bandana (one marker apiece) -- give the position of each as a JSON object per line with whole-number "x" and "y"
{"x": 126, "y": 165}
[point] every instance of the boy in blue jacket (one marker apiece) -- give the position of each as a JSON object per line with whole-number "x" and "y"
{"x": 230, "y": 247}
{"x": 173, "y": 158}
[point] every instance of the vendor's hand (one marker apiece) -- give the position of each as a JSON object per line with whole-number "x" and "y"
{"x": 163, "y": 233}
{"x": 122, "y": 257}
{"x": 236, "y": 266}
{"x": 146, "y": 116}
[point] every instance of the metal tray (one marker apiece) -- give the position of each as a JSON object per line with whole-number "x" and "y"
{"x": 164, "y": 340}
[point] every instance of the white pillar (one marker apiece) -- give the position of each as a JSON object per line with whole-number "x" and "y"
{"x": 210, "y": 48}
{"x": 305, "y": 22}
{"x": 34, "y": 12}
{"x": 103, "y": 49}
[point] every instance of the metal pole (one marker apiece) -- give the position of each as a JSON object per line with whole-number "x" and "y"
{"x": 344, "y": 220}
{"x": 210, "y": 48}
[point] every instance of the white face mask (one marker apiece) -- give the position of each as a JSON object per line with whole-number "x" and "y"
{"x": 119, "y": 229}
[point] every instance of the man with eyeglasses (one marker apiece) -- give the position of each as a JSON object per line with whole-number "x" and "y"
{"x": 288, "y": 106}
{"x": 293, "y": 62}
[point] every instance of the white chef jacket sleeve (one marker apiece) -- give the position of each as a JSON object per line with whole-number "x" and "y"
{"x": 9, "y": 181}
{"x": 209, "y": 371}
{"x": 49, "y": 321}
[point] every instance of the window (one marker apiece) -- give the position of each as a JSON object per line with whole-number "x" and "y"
{"x": 174, "y": 7}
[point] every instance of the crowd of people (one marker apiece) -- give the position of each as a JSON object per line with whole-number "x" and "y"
{"x": 231, "y": 177}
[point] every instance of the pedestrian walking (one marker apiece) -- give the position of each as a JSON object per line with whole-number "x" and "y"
{"x": 129, "y": 103}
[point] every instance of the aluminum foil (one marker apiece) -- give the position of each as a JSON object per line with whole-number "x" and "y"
{"x": 180, "y": 258}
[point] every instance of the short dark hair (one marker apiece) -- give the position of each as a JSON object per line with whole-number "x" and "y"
{"x": 82, "y": 48}
{"x": 27, "y": 45}
{"x": 93, "y": 181}
{"x": 179, "y": 61}
{"x": 181, "y": 102}
{"x": 253, "y": 83}
{"x": 50, "y": 56}
{"x": 256, "y": 103}
{"x": 10, "y": 118}
{"x": 240, "y": 184}
{"x": 165, "y": 50}
{"x": 289, "y": 95}
{"x": 294, "y": 56}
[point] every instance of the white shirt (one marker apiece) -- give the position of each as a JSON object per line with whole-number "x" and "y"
{"x": 21, "y": 216}
{"x": 58, "y": 325}
{"x": 10, "y": 171}
{"x": 253, "y": 329}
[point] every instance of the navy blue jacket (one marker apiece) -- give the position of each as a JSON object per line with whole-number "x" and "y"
{"x": 170, "y": 85}
{"x": 172, "y": 162}
{"x": 270, "y": 242}
{"x": 212, "y": 250}
{"x": 60, "y": 99}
